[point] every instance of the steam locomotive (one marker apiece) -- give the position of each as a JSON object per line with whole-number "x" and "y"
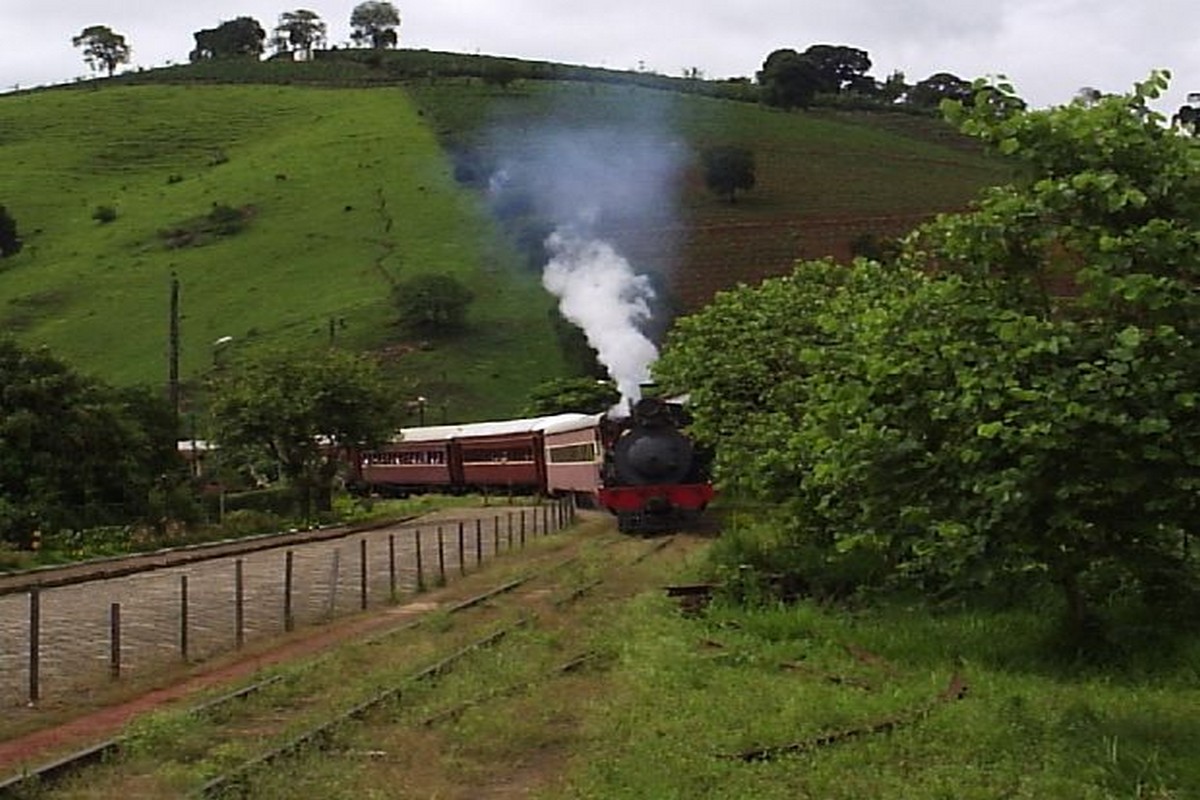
{"x": 654, "y": 476}
{"x": 643, "y": 468}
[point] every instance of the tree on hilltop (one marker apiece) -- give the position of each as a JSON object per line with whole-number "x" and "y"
{"x": 102, "y": 48}
{"x": 299, "y": 30}
{"x": 938, "y": 87}
{"x": 840, "y": 67}
{"x": 374, "y": 23}
{"x": 231, "y": 39}
{"x": 789, "y": 80}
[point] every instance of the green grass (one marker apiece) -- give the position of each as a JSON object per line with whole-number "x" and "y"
{"x": 691, "y": 693}
{"x": 346, "y": 191}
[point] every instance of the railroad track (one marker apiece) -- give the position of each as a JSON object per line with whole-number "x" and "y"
{"x": 499, "y": 610}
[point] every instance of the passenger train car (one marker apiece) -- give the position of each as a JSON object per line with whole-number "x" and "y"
{"x": 643, "y": 467}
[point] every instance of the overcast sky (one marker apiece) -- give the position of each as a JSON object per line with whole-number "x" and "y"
{"x": 1048, "y": 48}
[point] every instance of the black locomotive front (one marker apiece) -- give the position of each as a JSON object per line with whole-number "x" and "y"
{"x": 653, "y": 473}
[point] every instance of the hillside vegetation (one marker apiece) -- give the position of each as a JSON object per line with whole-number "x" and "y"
{"x": 341, "y": 191}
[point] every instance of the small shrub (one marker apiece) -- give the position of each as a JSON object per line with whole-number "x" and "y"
{"x": 104, "y": 214}
{"x": 226, "y": 220}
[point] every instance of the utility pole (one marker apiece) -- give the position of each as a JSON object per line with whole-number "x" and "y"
{"x": 173, "y": 350}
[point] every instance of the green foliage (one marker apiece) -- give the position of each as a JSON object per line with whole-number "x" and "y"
{"x": 104, "y": 214}
{"x": 237, "y": 38}
{"x": 952, "y": 422}
{"x": 299, "y": 30}
{"x": 222, "y": 221}
{"x": 102, "y": 48}
{"x": 76, "y": 453}
{"x": 728, "y": 169}
{"x": 581, "y": 395}
{"x": 301, "y": 411}
{"x": 789, "y": 80}
{"x": 10, "y": 241}
{"x": 374, "y": 23}
{"x": 432, "y": 302}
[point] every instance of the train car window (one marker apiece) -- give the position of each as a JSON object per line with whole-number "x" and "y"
{"x": 493, "y": 455}
{"x": 406, "y": 458}
{"x": 573, "y": 453}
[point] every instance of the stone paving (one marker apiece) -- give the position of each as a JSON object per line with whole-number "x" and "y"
{"x": 75, "y": 629}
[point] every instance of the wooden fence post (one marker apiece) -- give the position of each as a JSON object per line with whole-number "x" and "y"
{"x": 334, "y": 572}
{"x": 392, "y": 566}
{"x": 35, "y": 645}
{"x": 239, "y": 604}
{"x": 114, "y": 640}
{"x": 183, "y": 617}
{"x": 478, "y": 541}
{"x": 289, "y": 571}
{"x": 420, "y": 564}
{"x": 362, "y": 574}
{"x": 441, "y": 541}
{"x": 462, "y": 556}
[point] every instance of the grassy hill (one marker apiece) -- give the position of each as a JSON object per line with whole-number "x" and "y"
{"x": 346, "y": 185}
{"x": 343, "y": 192}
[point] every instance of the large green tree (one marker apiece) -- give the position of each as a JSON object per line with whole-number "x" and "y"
{"x": 840, "y": 67}
{"x": 304, "y": 413}
{"x": 1017, "y": 399}
{"x": 374, "y": 23}
{"x": 299, "y": 30}
{"x": 75, "y": 453}
{"x": 728, "y": 169}
{"x": 102, "y": 48}
{"x": 789, "y": 80}
{"x": 241, "y": 37}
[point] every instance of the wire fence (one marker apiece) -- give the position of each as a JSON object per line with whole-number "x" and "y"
{"x": 58, "y": 642}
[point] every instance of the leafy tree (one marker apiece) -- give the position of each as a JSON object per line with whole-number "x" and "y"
{"x": 76, "y": 453}
{"x": 940, "y": 86}
{"x": 10, "y": 241}
{"x": 838, "y": 66}
{"x": 789, "y": 80}
{"x": 1187, "y": 119}
{"x": 374, "y": 22}
{"x": 432, "y": 302}
{"x": 728, "y": 169}
{"x": 894, "y": 88}
{"x": 302, "y": 412}
{"x": 301, "y": 30}
{"x": 1016, "y": 399}
{"x": 234, "y": 38}
{"x": 102, "y": 48}
{"x": 582, "y": 395}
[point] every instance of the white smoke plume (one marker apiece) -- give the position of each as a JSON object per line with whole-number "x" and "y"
{"x": 596, "y": 186}
{"x": 599, "y": 291}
